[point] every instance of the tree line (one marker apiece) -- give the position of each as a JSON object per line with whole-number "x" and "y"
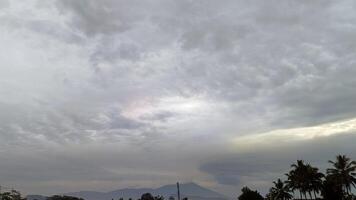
{"x": 307, "y": 182}
{"x": 15, "y": 195}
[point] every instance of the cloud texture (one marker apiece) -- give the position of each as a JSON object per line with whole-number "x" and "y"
{"x": 113, "y": 93}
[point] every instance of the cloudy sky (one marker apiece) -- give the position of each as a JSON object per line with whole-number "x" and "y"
{"x": 105, "y": 94}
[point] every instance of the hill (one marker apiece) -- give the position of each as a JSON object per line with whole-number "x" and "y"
{"x": 191, "y": 190}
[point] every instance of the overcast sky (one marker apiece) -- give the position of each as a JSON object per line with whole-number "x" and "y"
{"x": 105, "y": 94}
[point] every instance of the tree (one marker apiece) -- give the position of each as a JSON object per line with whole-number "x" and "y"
{"x": 315, "y": 180}
{"x": 343, "y": 172}
{"x": 64, "y": 197}
{"x": 248, "y": 194}
{"x": 280, "y": 191}
{"x": 13, "y": 195}
{"x": 270, "y": 196}
{"x": 147, "y": 196}
{"x": 305, "y": 178}
{"x": 297, "y": 178}
{"x": 159, "y": 197}
{"x": 331, "y": 189}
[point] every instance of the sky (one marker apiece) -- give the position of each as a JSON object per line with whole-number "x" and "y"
{"x": 101, "y": 95}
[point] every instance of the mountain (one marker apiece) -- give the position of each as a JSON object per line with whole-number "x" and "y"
{"x": 35, "y": 197}
{"x": 191, "y": 190}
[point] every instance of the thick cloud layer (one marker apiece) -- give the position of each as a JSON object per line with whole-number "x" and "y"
{"x": 107, "y": 94}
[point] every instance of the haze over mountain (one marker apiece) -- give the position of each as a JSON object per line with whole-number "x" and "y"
{"x": 191, "y": 190}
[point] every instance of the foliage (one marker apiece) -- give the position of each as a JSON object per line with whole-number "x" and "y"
{"x": 159, "y": 197}
{"x": 336, "y": 185}
{"x": 343, "y": 172}
{"x": 279, "y": 191}
{"x": 13, "y": 195}
{"x": 331, "y": 190}
{"x": 248, "y": 194}
{"x": 147, "y": 196}
{"x": 305, "y": 179}
{"x": 63, "y": 197}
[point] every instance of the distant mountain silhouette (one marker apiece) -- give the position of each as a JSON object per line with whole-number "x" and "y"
{"x": 35, "y": 197}
{"x": 191, "y": 190}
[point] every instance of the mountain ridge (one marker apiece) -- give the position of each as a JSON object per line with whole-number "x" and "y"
{"x": 190, "y": 190}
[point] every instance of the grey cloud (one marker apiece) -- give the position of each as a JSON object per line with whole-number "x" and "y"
{"x": 4, "y": 4}
{"x": 54, "y": 31}
{"x": 34, "y": 124}
{"x": 93, "y": 18}
{"x": 106, "y": 17}
{"x": 48, "y": 173}
{"x": 120, "y": 122}
{"x": 271, "y": 163}
{"x": 83, "y": 72}
{"x": 161, "y": 116}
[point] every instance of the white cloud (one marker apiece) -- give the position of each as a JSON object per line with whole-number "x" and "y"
{"x": 292, "y": 135}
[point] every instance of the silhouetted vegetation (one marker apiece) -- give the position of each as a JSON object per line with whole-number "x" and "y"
{"x": 248, "y": 194}
{"x": 149, "y": 196}
{"x": 60, "y": 197}
{"x": 280, "y": 190}
{"x": 159, "y": 197}
{"x": 12, "y": 195}
{"x": 307, "y": 182}
{"x": 331, "y": 190}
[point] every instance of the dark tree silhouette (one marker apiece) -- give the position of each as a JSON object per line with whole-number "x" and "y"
{"x": 13, "y": 195}
{"x": 279, "y": 191}
{"x": 159, "y": 197}
{"x": 305, "y": 178}
{"x": 343, "y": 172}
{"x": 331, "y": 189}
{"x": 297, "y": 179}
{"x": 315, "y": 180}
{"x": 147, "y": 196}
{"x": 248, "y": 194}
{"x": 60, "y": 197}
{"x": 308, "y": 180}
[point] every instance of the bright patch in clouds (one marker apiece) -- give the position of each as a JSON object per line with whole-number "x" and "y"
{"x": 285, "y": 136}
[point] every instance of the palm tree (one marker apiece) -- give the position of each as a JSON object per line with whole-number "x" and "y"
{"x": 331, "y": 189}
{"x": 344, "y": 172}
{"x": 304, "y": 178}
{"x": 297, "y": 178}
{"x": 315, "y": 180}
{"x": 280, "y": 191}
